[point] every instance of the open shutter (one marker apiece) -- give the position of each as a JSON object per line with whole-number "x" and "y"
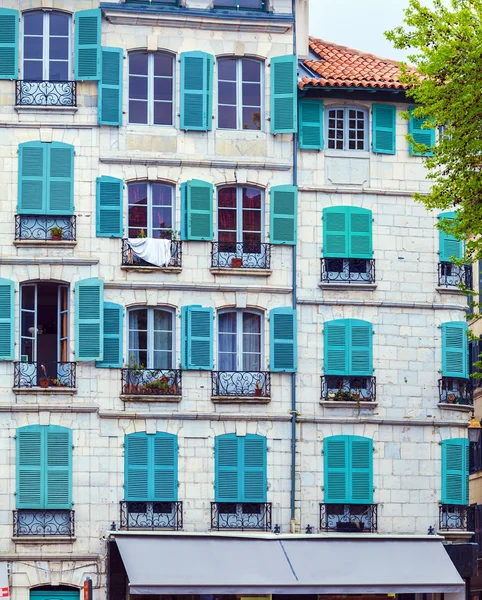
{"x": 335, "y": 342}
{"x": 448, "y": 245}
{"x": 32, "y": 178}
{"x": 197, "y": 338}
{"x": 136, "y": 469}
{"x": 454, "y": 350}
{"x": 360, "y": 349}
{"x": 196, "y": 91}
{"x": 335, "y": 450}
{"x": 284, "y": 214}
{"x": 8, "y": 43}
{"x": 7, "y": 319}
{"x": 89, "y": 319}
{"x": 113, "y": 336}
{"x": 58, "y": 476}
{"x": 420, "y": 135}
{"x": 29, "y": 467}
{"x": 311, "y": 124}
{"x": 361, "y": 470}
{"x": 384, "y": 128}
{"x": 455, "y": 471}
{"x": 60, "y": 184}
{"x": 283, "y": 345}
{"x": 335, "y": 232}
{"x": 165, "y": 467}
{"x": 197, "y": 210}
{"x": 87, "y": 44}
{"x": 360, "y": 236}
{"x": 254, "y": 469}
{"x": 109, "y": 207}
{"x": 227, "y": 453}
{"x": 284, "y": 93}
{"x": 110, "y": 87}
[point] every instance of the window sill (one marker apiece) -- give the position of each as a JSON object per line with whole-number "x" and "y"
{"x": 348, "y": 404}
{"x": 152, "y": 269}
{"x": 46, "y": 243}
{"x": 150, "y": 398}
{"x": 457, "y": 407}
{"x": 456, "y": 534}
{"x": 241, "y": 399}
{"x": 66, "y": 110}
{"x": 55, "y": 391}
{"x": 46, "y": 539}
{"x": 451, "y": 291}
{"x": 343, "y": 285}
{"x": 248, "y": 272}
{"x": 347, "y": 153}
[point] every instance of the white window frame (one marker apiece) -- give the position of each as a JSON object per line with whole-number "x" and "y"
{"x": 346, "y": 140}
{"x": 239, "y": 210}
{"x": 239, "y": 336}
{"x": 150, "y": 334}
{"x": 150, "y": 205}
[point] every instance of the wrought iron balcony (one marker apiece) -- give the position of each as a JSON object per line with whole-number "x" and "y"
{"x": 44, "y": 374}
{"x": 243, "y": 384}
{"x": 46, "y": 93}
{"x": 41, "y": 228}
{"x": 348, "y": 388}
{"x": 151, "y": 382}
{"x": 350, "y": 518}
{"x": 452, "y": 276}
{"x": 455, "y": 516}
{"x": 241, "y": 515}
{"x": 252, "y": 255}
{"x": 151, "y": 515}
{"x": 130, "y": 258}
{"x": 43, "y": 523}
{"x": 348, "y": 270}
{"x": 455, "y": 391}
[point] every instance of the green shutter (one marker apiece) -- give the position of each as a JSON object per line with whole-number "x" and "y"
{"x": 360, "y": 350}
{"x": 32, "y": 178}
{"x": 455, "y": 471}
{"x": 87, "y": 45}
{"x": 58, "y": 464}
{"x": 110, "y": 87}
{"x": 335, "y": 232}
{"x": 54, "y": 595}
{"x": 60, "y": 183}
{"x": 448, "y": 245}
{"x": 336, "y": 469}
{"x": 227, "y": 451}
{"x": 283, "y": 214}
{"x": 361, "y": 470}
{"x": 197, "y": 338}
{"x": 384, "y": 118}
{"x": 283, "y": 346}
{"x": 7, "y": 319}
{"x": 284, "y": 94}
{"x": 420, "y": 134}
{"x": 311, "y": 124}
{"x": 336, "y": 337}
{"x": 136, "y": 466}
{"x": 164, "y": 452}
{"x": 8, "y": 43}
{"x": 360, "y": 232}
{"x": 29, "y": 467}
{"x": 197, "y": 210}
{"x": 454, "y": 350}
{"x": 113, "y": 336}
{"x": 109, "y": 207}
{"x": 254, "y": 468}
{"x": 89, "y": 319}
{"x": 196, "y": 91}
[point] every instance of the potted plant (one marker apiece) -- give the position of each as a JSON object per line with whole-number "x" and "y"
{"x": 134, "y": 377}
{"x": 56, "y": 233}
{"x": 44, "y": 381}
{"x": 236, "y": 262}
{"x": 451, "y": 398}
{"x": 258, "y": 390}
{"x": 142, "y": 234}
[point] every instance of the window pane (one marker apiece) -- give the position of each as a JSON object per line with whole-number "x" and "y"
{"x": 226, "y": 93}
{"x": 227, "y": 69}
{"x": 251, "y": 94}
{"x": 162, "y": 320}
{"x": 251, "y": 220}
{"x": 251, "y": 118}
{"x": 227, "y": 219}
{"x": 162, "y": 88}
{"x": 138, "y": 63}
{"x": 137, "y": 111}
{"x": 137, "y": 220}
{"x": 137, "y": 193}
{"x": 227, "y": 241}
{"x": 251, "y": 71}
{"x": 59, "y": 24}
{"x": 59, "y": 48}
{"x": 251, "y": 323}
{"x": 161, "y": 194}
{"x": 28, "y": 297}
{"x": 161, "y": 218}
{"x": 162, "y": 113}
{"x": 138, "y": 319}
{"x": 163, "y": 64}
{"x": 162, "y": 340}
{"x": 33, "y": 23}
{"x": 251, "y": 198}
{"x": 162, "y": 360}
{"x": 32, "y": 70}
{"x": 227, "y": 322}
{"x": 227, "y": 197}
{"x": 58, "y": 70}
{"x": 227, "y": 117}
{"x": 32, "y": 47}
{"x": 138, "y": 88}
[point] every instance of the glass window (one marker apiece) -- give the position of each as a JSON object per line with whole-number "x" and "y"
{"x": 347, "y": 129}
{"x": 247, "y": 4}
{"x": 240, "y": 219}
{"x": 239, "y": 93}
{"x": 151, "y": 338}
{"x": 150, "y": 210}
{"x": 239, "y": 341}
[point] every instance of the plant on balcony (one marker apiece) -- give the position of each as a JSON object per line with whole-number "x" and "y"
{"x": 56, "y": 233}
{"x": 453, "y": 398}
{"x": 258, "y": 390}
{"x": 162, "y": 386}
{"x": 236, "y": 262}
{"x": 142, "y": 234}
{"x": 136, "y": 372}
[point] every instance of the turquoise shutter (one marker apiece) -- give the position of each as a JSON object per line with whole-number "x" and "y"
{"x": 335, "y": 232}
{"x": 89, "y": 319}
{"x": 196, "y": 91}
{"x": 283, "y": 214}
{"x": 60, "y": 183}
{"x": 136, "y": 467}
{"x": 197, "y": 210}
{"x": 360, "y": 349}
{"x": 448, "y": 245}
{"x": 197, "y": 338}
{"x": 39, "y": 595}
{"x": 164, "y": 467}
{"x": 8, "y": 43}
{"x": 455, "y": 471}
{"x": 227, "y": 451}
{"x": 284, "y": 94}
{"x": 455, "y": 350}
{"x": 311, "y": 124}
{"x": 420, "y": 135}
{"x": 254, "y": 468}
{"x": 109, "y": 207}
{"x": 29, "y": 467}
{"x": 335, "y": 449}
{"x": 360, "y": 236}
{"x": 384, "y": 118}
{"x": 113, "y": 336}
{"x": 7, "y": 319}
{"x": 87, "y": 45}
{"x": 283, "y": 346}
{"x": 335, "y": 341}
{"x": 361, "y": 470}
{"x": 32, "y": 178}
{"x": 58, "y": 462}
{"x": 110, "y": 87}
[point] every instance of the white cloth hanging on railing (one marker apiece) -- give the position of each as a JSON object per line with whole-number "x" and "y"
{"x": 154, "y": 251}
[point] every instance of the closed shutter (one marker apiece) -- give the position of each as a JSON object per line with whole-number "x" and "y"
{"x": 361, "y": 470}
{"x": 164, "y": 454}
{"x": 58, "y": 475}
{"x": 311, "y": 124}
{"x": 420, "y": 134}
{"x": 455, "y": 471}
{"x": 7, "y": 319}
{"x": 360, "y": 351}
{"x": 335, "y": 341}
{"x": 335, "y": 232}
{"x": 32, "y": 178}
{"x": 384, "y": 128}
{"x": 283, "y": 345}
{"x": 454, "y": 350}
{"x": 89, "y": 319}
{"x": 29, "y": 467}
{"x": 113, "y": 336}
{"x": 109, "y": 210}
{"x": 284, "y": 214}
{"x": 8, "y": 43}
{"x": 136, "y": 469}
{"x": 60, "y": 184}
{"x": 227, "y": 453}
{"x": 197, "y": 338}
{"x": 196, "y": 91}
{"x": 284, "y": 93}
{"x": 197, "y": 210}
{"x": 110, "y": 87}
{"x": 87, "y": 45}
{"x": 254, "y": 468}
{"x": 360, "y": 236}
{"x": 336, "y": 469}
{"x": 448, "y": 245}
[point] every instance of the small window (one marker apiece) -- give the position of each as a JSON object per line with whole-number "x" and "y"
{"x": 240, "y": 93}
{"x": 150, "y": 210}
{"x": 241, "y": 4}
{"x": 151, "y": 338}
{"x": 347, "y": 129}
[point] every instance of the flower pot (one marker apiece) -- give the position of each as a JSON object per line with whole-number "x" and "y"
{"x": 451, "y": 398}
{"x": 56, "y": 237}
{"x": 258, "y": 392}
{"x": 44, "y": 382}
{"x": 236, "y": 263}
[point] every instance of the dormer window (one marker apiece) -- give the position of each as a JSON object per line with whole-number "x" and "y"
{"x": 347, "y": 128}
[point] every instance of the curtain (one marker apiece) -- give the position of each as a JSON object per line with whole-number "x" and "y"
{"x": 227, "y": 342}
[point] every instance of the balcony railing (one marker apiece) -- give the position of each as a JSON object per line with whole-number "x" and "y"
{"x": 347, "y": 270}
{"x": 342, "y": 388}
{"x": 243, "y": 384}
{"x": 43, "y": 523}
{"x": 241, "y": 515}
{"x": 452, "y": 276}
{"x": 151, "y": 515}
{"x": 151, "y": 382}
{"x": 45, "y": 228}
{"x": 240, "y": 255}
{"x": 44, "y": 374}
{"x": 130, "y": 258}
{"x": 454, "y": 516}
{"x": 350, "y": 518}
{"x": 46, "y": 93}
{"x": 455, "y": 391}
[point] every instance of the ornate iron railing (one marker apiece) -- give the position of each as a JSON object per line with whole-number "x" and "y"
{"x": 350, "y": 518}
{"x": 46, "y": 93}
{"x": 241, "y": 515}
{"x": 130, "y": 259}
{"x": 450, "y": 275}
{"x": 455, "y": 391}
{"x": 151, "y": 515}
{"x": 240, "y": 255}
{"x": 348, "y": 388}
{"x": 151, "y": 382}
{"x": 46, "y": 228}
{"x": 454, "y": 516}
{"x": 43, "y": 522}
{"x": 248, "y": 384}
{"x": 44, "y": 374}
{"x": 347, "y": 270}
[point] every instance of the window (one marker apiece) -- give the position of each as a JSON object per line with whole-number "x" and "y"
{"x": 347, "y": 128}
{"x": 246, "y": 4}
{"x": 150, "y": 210}
{"x": 455, "y": 387}
{"x": 455, "y": 471}
{"x": 239, "y": 341}
{"x": 452, "y": 275}
{"x": 239, "y": 93}
{"x": 151, "y": 338}
{"x": 151, "y": 88}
